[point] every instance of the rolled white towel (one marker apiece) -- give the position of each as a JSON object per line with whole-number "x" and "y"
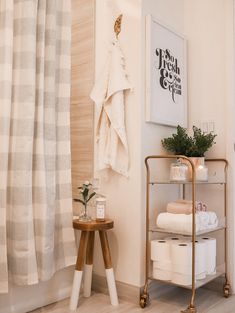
{"x": 208, "y": 220}
{"x": 213, "y": 219}
{"x": 204, "y": 219}
{"x": 182, "y": 223}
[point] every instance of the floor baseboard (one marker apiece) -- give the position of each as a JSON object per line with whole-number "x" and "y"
{"x": 125, "y": 291}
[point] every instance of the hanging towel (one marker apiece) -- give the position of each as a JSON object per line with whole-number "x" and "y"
{"x": 109, "y": 96}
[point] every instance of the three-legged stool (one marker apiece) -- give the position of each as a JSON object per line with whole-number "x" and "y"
{"x": 85, "y": 251}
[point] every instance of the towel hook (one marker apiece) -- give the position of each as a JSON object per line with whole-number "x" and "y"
{"x": 117, "y": 25}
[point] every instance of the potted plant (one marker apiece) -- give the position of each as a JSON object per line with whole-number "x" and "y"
{"x": 183, "y": 144}
{"x": 179, "y": 143}
{"x": 87, "y": 193}
{"x": 201, "y": 143}
{"x": 193, "y": 147}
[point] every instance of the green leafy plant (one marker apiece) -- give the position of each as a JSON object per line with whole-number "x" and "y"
{"x": 86, "y": 193}
{"x": 183, "y": 144}
{"x": 179, "y": 143}
{"x": 201, "y": 142}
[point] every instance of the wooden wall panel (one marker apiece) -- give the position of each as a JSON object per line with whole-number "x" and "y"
{"x": 82, "y": 78}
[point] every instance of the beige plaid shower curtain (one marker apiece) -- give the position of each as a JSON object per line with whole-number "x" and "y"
{"x": 36, "y": 235}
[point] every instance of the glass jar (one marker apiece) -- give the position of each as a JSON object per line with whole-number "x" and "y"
{"x": 179, "y": 171}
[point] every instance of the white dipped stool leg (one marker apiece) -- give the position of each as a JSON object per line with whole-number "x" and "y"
{"x": 108, "y": 267}
{"x": 78, "y": 271}
{"x": 112, "y": 286}
{"x": 77, "y": 279}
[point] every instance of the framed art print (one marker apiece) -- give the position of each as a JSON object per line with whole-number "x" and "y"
{"x": 166, "y": 75}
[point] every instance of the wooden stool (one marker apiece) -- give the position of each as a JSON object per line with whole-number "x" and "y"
{"x": 85, "y": 250}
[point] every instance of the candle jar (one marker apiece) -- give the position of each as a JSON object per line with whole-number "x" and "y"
{"x": 179, "y": 171}
{"x": 201, "y": 170}
{"x": 100, "y": 209}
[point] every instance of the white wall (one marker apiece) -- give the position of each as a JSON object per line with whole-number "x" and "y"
{"x": 171, "y": 13}
{"x": 230, "y": 130}
{"x": 123, "y": 195}
{"x": 207, "y": 25}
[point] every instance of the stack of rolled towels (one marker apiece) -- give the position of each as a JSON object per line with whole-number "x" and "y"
{"x": 172, "y": 259}
{"x": 178, "y": 217}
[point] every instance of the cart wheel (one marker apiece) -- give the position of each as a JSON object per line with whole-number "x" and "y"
{"x": 226, "y": 290}
{"x": 189, "y": 310}
{"x": 144, "y": 299}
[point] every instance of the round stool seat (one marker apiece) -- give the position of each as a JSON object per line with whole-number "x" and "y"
{"x": 92, "y": 225}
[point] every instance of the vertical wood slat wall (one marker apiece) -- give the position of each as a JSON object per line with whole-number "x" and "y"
{"x": 82, "y": 78}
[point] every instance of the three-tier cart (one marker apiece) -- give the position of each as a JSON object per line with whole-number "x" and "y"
{"x": 221, "y": 269}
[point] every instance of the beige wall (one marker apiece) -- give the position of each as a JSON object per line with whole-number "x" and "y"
{"x": 208, "y": 28}
{"x": 123, "y": 195}
{"x": 126, "y": 197}
{"x": 230, "y": 131}
{"x": 207, "y": 65}
{"x": 83, "y": 19}
{"x": 170, "y": 13}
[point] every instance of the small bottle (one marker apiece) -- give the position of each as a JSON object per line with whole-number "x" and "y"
{"x": 100, "y": 209}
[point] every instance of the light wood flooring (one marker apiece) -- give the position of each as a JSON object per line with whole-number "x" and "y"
{"x": 172, "y": 302}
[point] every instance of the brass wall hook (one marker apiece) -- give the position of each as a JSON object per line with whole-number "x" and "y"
{"x": 117, "y": 25}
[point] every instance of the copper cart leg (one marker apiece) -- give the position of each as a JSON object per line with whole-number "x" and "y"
{"x": 190, "y": 309}
{"x": 226, "y": 290}
{"x": 108, "y": 267}
{"x": 144, "y": 297}
{"x": 88, "y": 265}
{"x": 226, "y": 287}
{"x": 78, "y": 271}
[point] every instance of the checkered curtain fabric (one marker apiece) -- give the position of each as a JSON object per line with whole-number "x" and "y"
{"x": 36, "y": 234}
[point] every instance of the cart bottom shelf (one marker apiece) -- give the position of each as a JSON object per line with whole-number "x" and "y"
{"x": 220, "y": 270}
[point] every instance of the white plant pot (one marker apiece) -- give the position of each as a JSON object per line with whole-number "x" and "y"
{"x": 201, "y": 170}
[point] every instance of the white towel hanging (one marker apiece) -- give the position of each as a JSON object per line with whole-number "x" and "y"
{"x": 109, "y": 96}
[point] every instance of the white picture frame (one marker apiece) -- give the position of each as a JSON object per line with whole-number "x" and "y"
{"x": 166, "y": 75}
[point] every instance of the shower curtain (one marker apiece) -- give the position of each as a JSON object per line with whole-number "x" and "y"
{"x": 36, "y": 234}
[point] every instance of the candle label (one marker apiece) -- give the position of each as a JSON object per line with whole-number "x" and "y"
{"x": 100, "y": 211}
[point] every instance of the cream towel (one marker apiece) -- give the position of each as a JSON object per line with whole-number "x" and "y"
{"x": 108, "y": 94}
{"x": 182, "y": 206}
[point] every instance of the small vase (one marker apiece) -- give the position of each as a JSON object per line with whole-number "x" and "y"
{"x": 84, "y": 217}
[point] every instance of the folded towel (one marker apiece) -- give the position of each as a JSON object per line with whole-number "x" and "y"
{"x": 182, "y": 223}
{"x": 182, "y": 206}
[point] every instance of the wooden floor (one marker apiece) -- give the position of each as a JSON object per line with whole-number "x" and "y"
{"x": 173, "y": 302}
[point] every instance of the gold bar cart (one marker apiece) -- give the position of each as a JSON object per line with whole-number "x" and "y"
{"x": 222, "y": 270}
